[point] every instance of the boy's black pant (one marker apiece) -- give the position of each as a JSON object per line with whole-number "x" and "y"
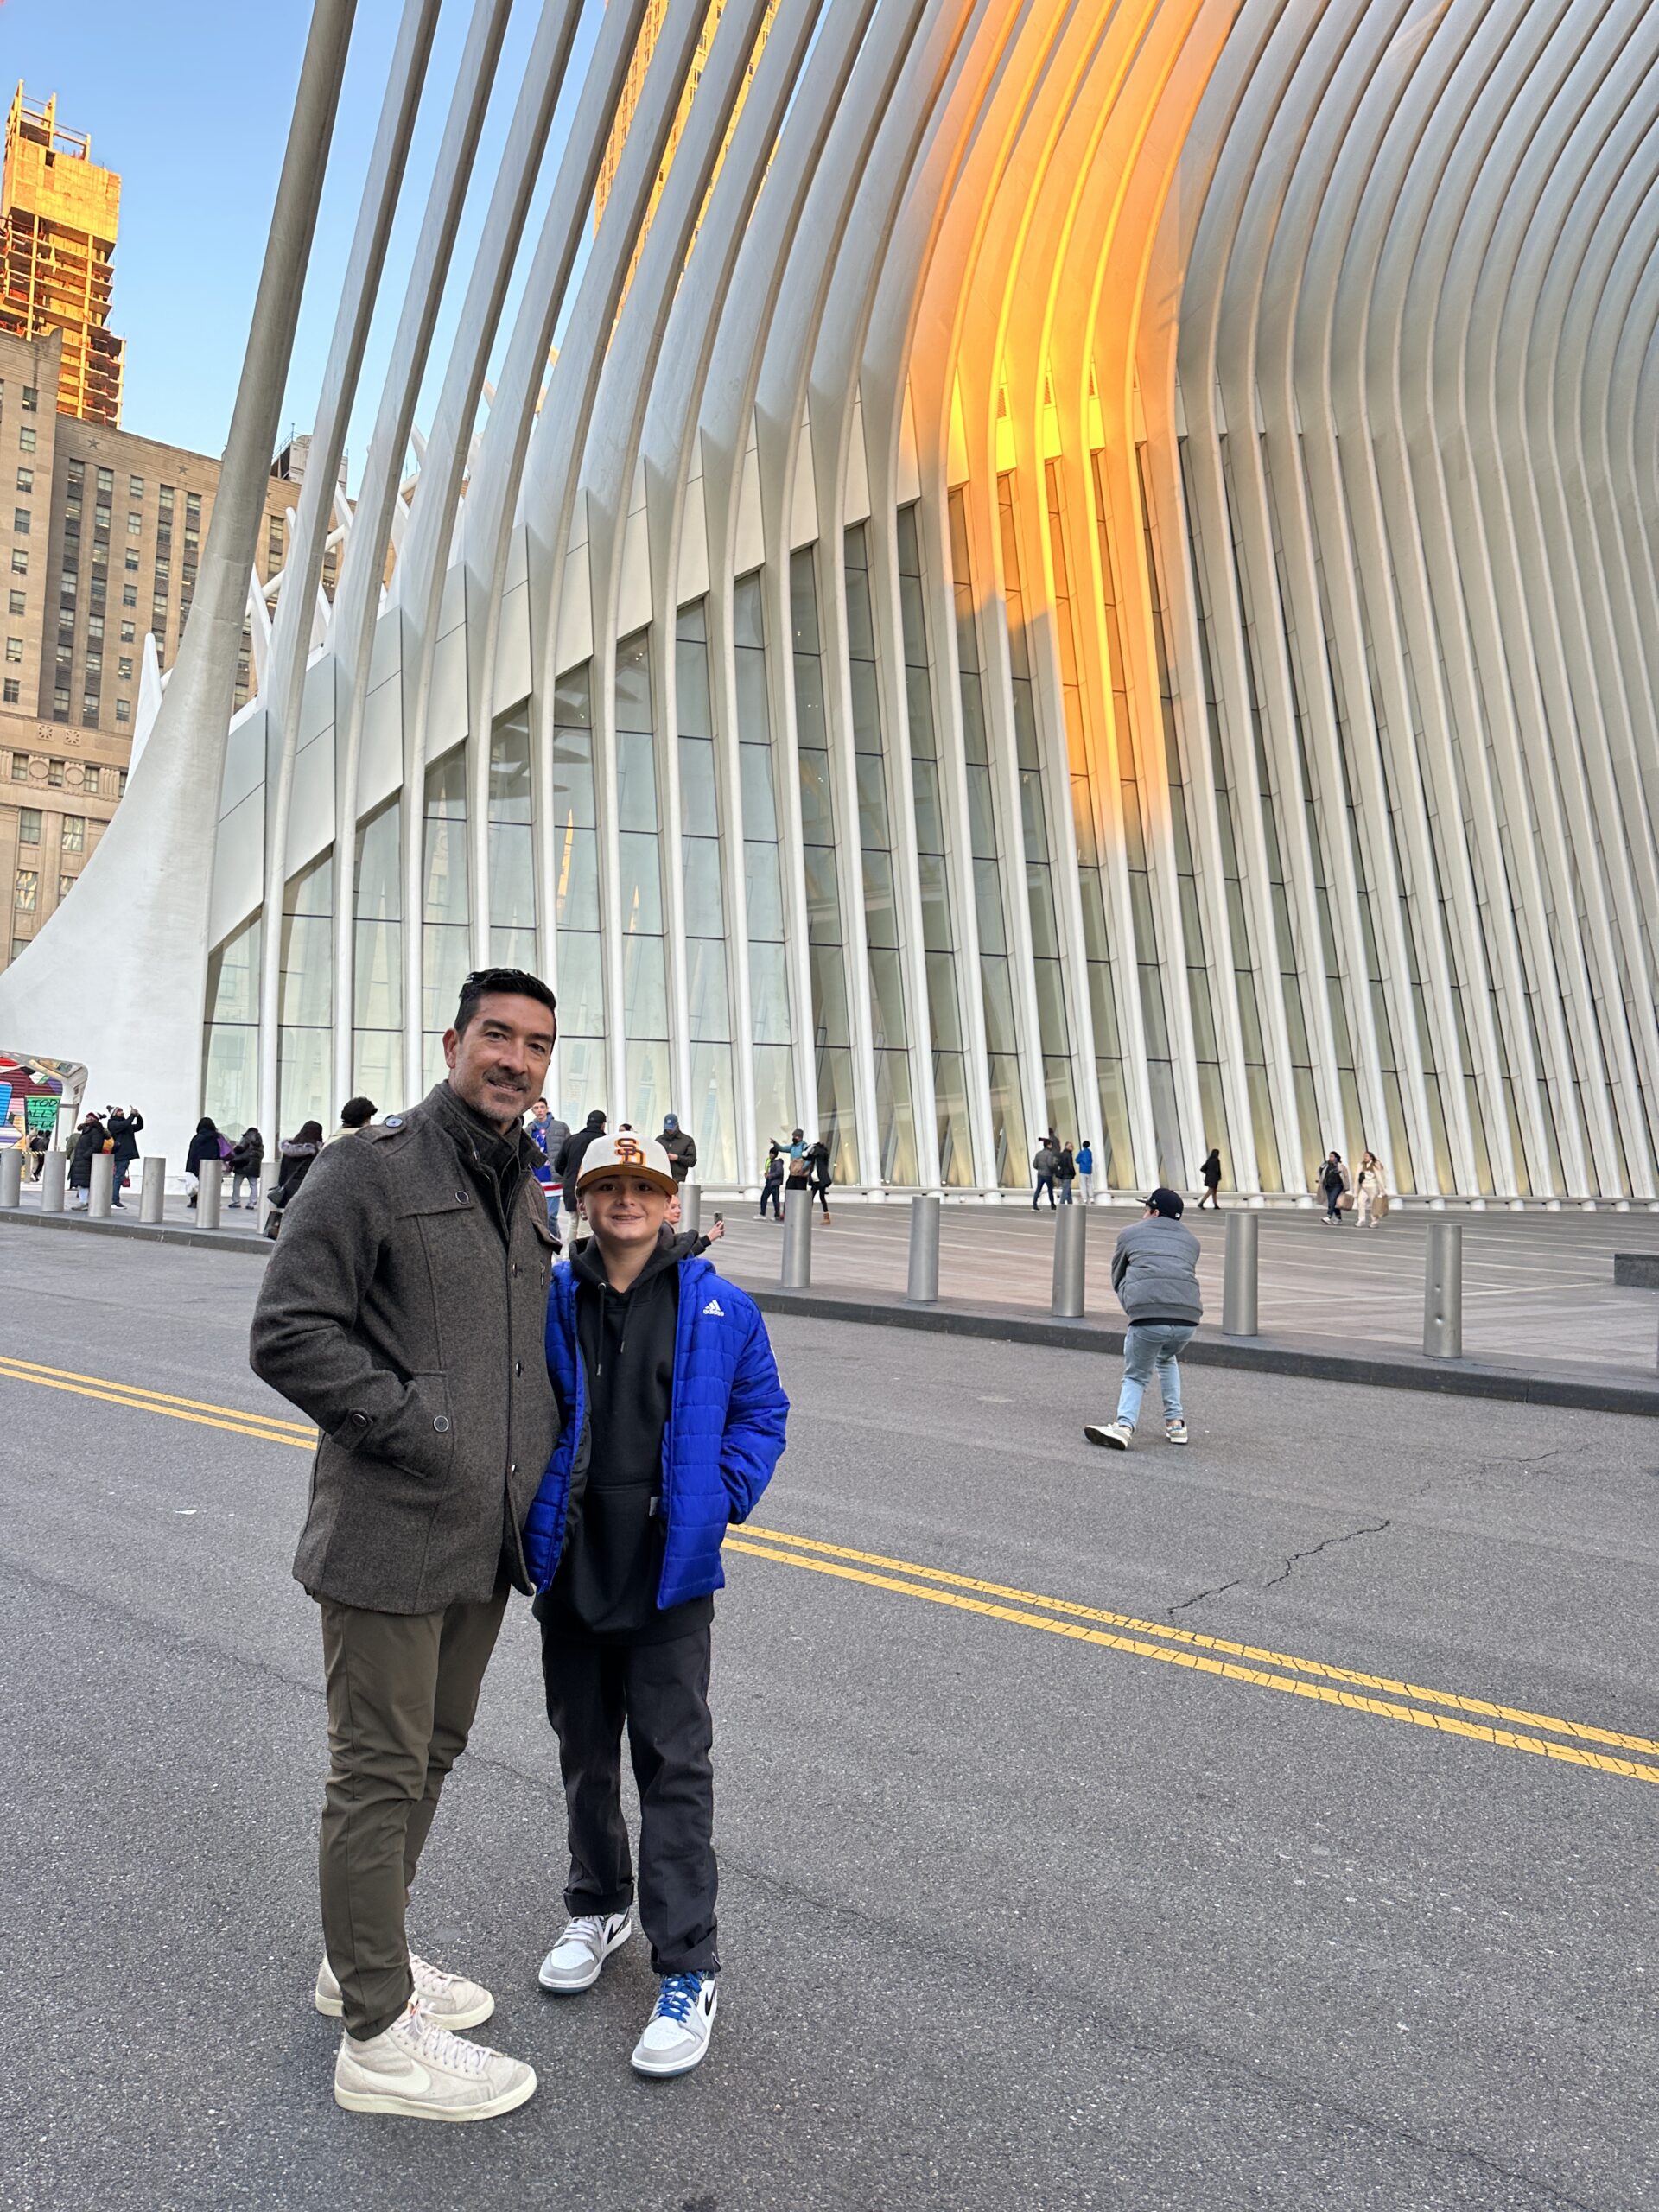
{"x": 661, "y": 1690}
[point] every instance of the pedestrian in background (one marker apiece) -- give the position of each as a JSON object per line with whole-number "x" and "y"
{"x": 1210, "y": 1176}
{"x": 405, "y": 1311}
{"x": 820, "y": 1175}
{"x": 796, "y": 1178}
{"x": 1371, "y": 1191}
{"x": 680, "y": 1146}
{"x": 298, "y": 1154}
{"x": 123, "y": 1127}
{"x": 575, "y": 1151}
{"x": 247, "y": 1164}
{"x": 549, "y": 1136}
{"x": 672, "y": 1421}
{"x": 90, "y": 1140}
{"x": 1066, "y": 1174}
{"x": 39, "y": 1144}
{"x": 203, "y": 1145}
{"x": 1333, "y": 1182}
{"x": 1086, "y": 1171}
{"x": 772, "y": 1184}
{"x": 355, "y": 1115}
{"x": 1155, "y": 1274}
{"x": 1046, "y": 1161}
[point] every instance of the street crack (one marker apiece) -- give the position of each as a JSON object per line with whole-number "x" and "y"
{"x": 1294, "y": 1559}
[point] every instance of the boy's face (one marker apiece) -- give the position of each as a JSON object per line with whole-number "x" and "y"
{"x": 625, "y": 1211}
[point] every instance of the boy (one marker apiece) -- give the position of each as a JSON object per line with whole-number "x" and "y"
{"x": 673, "y": 1421}
{"x": 1155, "y": 1274}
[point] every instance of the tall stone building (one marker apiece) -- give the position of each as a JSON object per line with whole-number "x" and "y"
{"x": 100, "y": 535}
{"x": 58, "y": 215}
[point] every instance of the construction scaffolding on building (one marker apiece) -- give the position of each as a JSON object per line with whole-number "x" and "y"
{"x": 59, "y": 214}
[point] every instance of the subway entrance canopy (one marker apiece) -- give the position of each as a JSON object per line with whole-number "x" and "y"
{"x": 1076, "y": 565}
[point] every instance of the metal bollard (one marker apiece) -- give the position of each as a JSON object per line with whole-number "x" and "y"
{"x": 54, "y": 1169}
{"x": 1443, "y": 1291}
{"x": 798, "y": 1240}
{"x": 922, "y": 1285}
{"x": 210, "y": 1176}
{"x": 692, "y": 1208}
{"x": 11, "y": 1177}
{"x": 103, "y": 1185}
{"x": 152, "y": 1193}
{"x": 1070, "y": 1252}
{"x": 1239, "y": 1275}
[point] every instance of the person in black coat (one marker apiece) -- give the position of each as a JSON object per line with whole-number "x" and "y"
{"x": 203, "y": 1145}
{"x": 246, "y": 1165}
{"x": 297, "y": 1153}
{"x": 89, "y": 1141}
{"x": 576, "y": 1151}
{"x": 124, "y": 1126}
{"x": 1210, "y": 1176}
{"x": 820, "y": 1175}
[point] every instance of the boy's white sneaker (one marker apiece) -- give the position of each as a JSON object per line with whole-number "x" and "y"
{"x": 1174, "y": 1432}
{"x": 1114, "y": 1434}
{"x": 418, "y": 2070}
{"x": 450, "y": 2000}
{"x": 577, "y": 1959}
{"x": 682, "y": 2021}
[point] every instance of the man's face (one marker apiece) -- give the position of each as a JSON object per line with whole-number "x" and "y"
{"x": 497, "y": 1062}
{"x": 625, "y": 1211}
{"x": 539, "y": 1112}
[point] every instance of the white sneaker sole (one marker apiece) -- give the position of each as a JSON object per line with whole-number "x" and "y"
{"x": 1103, "y": 1436}
{"x": 665, "y": 2070}
{"x": 468, "y": 2017}
{"x": 419, "y": 2108}
{"x": 1178, "y": 1439}
{"x": 566, "y": 1988}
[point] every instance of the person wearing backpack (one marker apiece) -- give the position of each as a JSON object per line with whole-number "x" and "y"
{"x": 820, "y": 1175}
{"x": 771, "y": 1186}
{"x": 247, "y": 1164}
{"x": 1066, "y": 1174}
{"x": 1046, "y": 1161}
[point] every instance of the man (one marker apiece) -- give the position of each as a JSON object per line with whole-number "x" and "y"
{"x": 1046, "y": 1161}
{"x": 682, "y": 1150}
{"x": 549, "y": 1136}
{"x": 356, "y": 1115}
{"x": 575, "y": 1151}
{"x": 674, "y": 1419}
{"x": 405, "y": 1311}
{"x": 1155, "y": 1274}
{"x": 1086, "y": 1171}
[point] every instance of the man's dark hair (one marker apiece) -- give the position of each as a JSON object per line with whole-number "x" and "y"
{"x": 500, "y": 983}
{"x": 357, "y": 1113}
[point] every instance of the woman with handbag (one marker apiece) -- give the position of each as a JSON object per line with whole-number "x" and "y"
{"x": 91, "y": 1139}
{"x": 297, "y": 1153}
{"x": 1371, "y": 1186}
{"x": 203, "y": 1145}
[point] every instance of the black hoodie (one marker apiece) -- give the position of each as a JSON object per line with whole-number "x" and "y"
{"x": 574, "y": 1152}
{"x": 605, "y": 1585}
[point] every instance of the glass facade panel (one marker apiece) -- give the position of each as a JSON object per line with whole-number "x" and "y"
{"x": 769, "y": 996}
{"x": 305, "y": 1041}
{"x": 580, "y": 1058}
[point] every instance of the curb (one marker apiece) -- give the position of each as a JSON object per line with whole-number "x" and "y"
{"x": 1313, "y": 1358}
{"x": 143, "y": 1232}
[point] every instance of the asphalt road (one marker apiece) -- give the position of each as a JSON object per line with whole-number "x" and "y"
{"x": 1012, "y": 1919}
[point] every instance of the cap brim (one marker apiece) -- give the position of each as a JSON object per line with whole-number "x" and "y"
{"x": 664, "y": 1183}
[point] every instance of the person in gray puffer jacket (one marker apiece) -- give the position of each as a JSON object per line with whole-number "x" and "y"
{"x": 1155, "y": 1274}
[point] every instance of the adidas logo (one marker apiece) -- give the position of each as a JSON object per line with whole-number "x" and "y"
{"x": 715, "y": 1306}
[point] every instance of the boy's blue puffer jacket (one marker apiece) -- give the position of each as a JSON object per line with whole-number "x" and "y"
{"x": 724, "y": 1436}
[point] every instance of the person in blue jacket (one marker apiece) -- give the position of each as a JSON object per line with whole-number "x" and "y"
{"x": 673, "y": 1419}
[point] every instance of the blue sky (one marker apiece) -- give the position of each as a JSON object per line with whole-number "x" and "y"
{"x": 190, "y": 101}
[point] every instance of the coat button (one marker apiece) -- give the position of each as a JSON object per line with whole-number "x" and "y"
{"x": 441, "y": 1424}
{"x": 461, "y": 1198}
{"x": 518, "y": 1366}
{"x": 359, "y": 1421}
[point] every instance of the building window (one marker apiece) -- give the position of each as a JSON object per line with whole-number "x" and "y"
{"x": 106, "y": 483}
{"x": 164, "y": 498}
{"x": 74, "y": 833}
{"x": 60, "y": 705}
{"x": 130, "y": 562}
{"x": 135, "y": 487}
{"x": 19, "y": 561}
{"x": 19, "y": 945}
{"x": 11, "y": 691}
{"x": 28, "y": 890}
{"x": 25, "y": 479}
{"x": 66, "y": 885}
{"x": 31, "y": 399}
{"x": 94, "y": 663}
{"x": 14, "y": 649}
{"x": 29, "y": 825}
{"x": 274, "y": 538}
{"x": 26, "y": 440}
{"x": 18, "y": 602}
{"x": 76, "y": 472}
{"x": 123, "y": 667}
{"x": 20, "y": 521}
{"x": 135, "y": 526}
{"x": 89, "y": 705}
{"x": 164, "y": 570}
{"x": 101, "y": 516}
{"x": 95, "y": 625}
{"x": 129, "y": 598}
{"x": 55, "y": 774}
{"x": 122, "y": 710}
{"x": 121, "y": 783}
{"x": 19, "y": 767}
{"x": 66, "y": 651}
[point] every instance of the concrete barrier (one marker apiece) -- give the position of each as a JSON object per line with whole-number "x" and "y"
{"x": 11, "y": 1177}
{"x": 1443, "y": 1290}
{"x": 211, "y": 1177}
{"x": 922, "y": 1282}
{"x": 152, "y": 1194}
{"x": 103, "y": 1185}
{"x": 1070, "y": 1262}
{"x": 1240, "y": 1276}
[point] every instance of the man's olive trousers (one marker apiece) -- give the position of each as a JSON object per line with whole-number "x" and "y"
{"x": 402, "y": 1688}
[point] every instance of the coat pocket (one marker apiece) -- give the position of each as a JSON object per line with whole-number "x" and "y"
{"x": 420, "y": 1436}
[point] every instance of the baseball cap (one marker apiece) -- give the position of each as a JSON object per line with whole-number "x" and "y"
{"x": 627, "y": 1154}
{"x": 1170, "y": 1204}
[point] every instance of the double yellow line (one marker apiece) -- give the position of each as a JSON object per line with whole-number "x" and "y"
{"x": 1504, "y": 1727}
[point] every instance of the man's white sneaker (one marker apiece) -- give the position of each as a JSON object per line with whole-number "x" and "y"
{"x": 449, "y": 1998}
{"x": 421, "y": 2071}
{"x": 1174, "y": 1432}
{"x": 1114, "y": 1434}
{"x": 576, "y": 1960}
{"x": 677, "y": 2035}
